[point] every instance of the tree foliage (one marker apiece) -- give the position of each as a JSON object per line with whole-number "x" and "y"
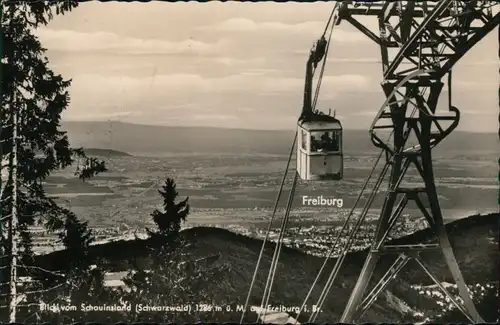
{"x": 38, "y": 96}
{"x": 170, "y": 219}
{"x": 171, "y": 275}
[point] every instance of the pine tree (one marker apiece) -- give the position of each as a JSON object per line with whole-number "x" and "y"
{"x": 169, "y": 221}
{"x": 83, "y": 280}
{"x": 32, "y": 145}
{"x": 171, "y": 274}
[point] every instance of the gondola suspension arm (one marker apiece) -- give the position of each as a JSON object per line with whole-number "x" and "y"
{"x": 318, "y": 53}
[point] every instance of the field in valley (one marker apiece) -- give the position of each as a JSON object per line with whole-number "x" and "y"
{"x": 235, "y": 189}
{"x": 238, "y": 191}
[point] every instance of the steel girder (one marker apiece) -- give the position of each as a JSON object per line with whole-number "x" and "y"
{"x": 428, "y": 38}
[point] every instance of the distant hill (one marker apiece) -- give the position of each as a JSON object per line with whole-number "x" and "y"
{"x": 136, "y": 138}
{"x": 105, "y": 152}
{"x": 470, "y": 238}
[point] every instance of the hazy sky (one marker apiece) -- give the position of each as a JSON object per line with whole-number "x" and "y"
{"x": 233, "y": 65}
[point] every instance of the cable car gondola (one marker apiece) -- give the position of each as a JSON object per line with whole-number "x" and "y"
{"x": 319, "y": 148}
{"x": 319, "y": 145}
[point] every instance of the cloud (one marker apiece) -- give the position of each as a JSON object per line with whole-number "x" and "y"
{"x": 73, "y": 41}
{"x": 245, "y": 109}
{"x": 479, "y": 113}
{"x": 163, "y": 97}
{"x": 258, "y": 72}
{"x": 365, "y": 113}
{"x": 355, "y": 60}
{"x": 191, "y": 83}
{"x": 101, "y": 116}
{"x": 481, "y": 63}
{"x": 476, "y": 85}
{"x": 311, "y": 27}
{"x": 218, "y": 117}
{"x": 236, "y": 62}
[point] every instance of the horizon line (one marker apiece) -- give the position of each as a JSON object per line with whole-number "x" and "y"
{"x": 233, "y": 128}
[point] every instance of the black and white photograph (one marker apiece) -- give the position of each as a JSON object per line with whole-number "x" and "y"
{"x": 249, "y": 162}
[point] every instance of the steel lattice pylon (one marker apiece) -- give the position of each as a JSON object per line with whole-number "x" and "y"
{"x": 428, "y": 38}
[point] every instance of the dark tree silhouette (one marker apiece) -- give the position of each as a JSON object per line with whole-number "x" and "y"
{"x": 33, "y": 99}
{"x": 171, "y": 274}
{"x": 169, "y": 220}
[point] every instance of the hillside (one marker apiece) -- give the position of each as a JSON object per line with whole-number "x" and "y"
{"x": 105, "y": 152}
{"x": 470, "y": 237}
{"x": 136, "y": 138}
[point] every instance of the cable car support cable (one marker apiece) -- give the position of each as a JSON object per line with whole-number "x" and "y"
{"x": 284, "y": 224}
{"x": 278, "y": 247}
{"x": 334, "y": 21}
{"x": 271, "y": 275}
{"x": 332, "y": 250}
{"x": 272, "y": 272}
{"x": 269, "y": 228}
